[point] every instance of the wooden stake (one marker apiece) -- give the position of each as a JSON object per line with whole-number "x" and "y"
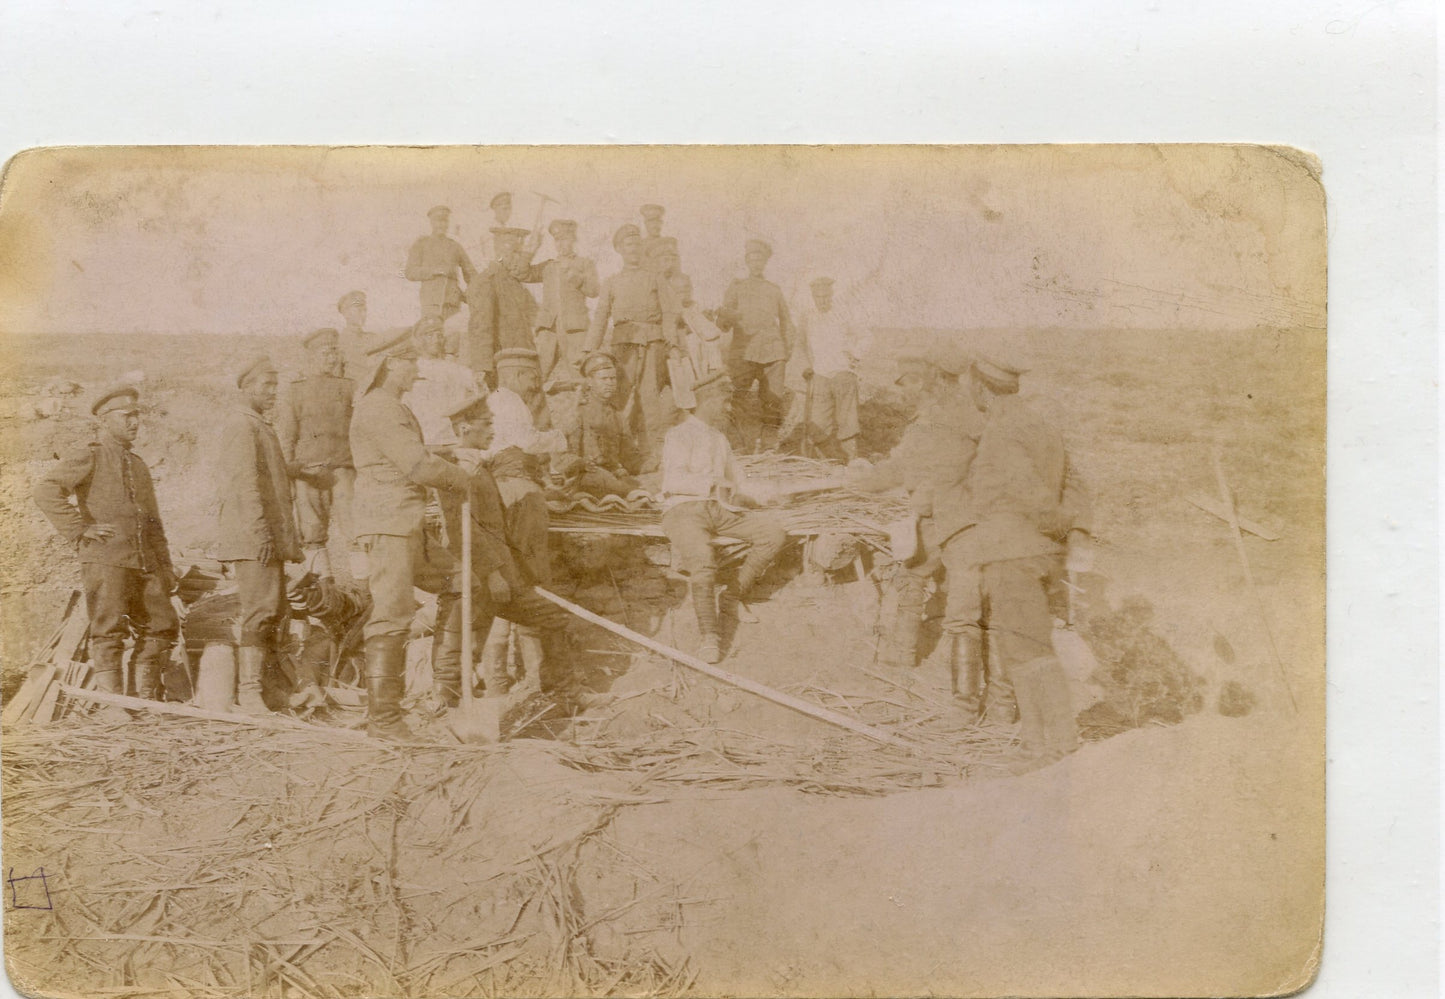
{"x": 743, "y": 683}
{"x": 186, "y": 711}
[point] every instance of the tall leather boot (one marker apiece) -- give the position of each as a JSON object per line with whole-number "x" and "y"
{"x": 250, "y": 663}
{"x": 703, "y": 587}
{"x": 495, "y": 655}
{"x": 1029, "y": 688}
{"x": 446, "y": 665}
{"x": 966, "y": 662}
{"x": 150, "y": 664}
{"x": 105, "y": 676}
{"x": 385, "y": 684}
{"x": 1000, "y": 706}
{"x": 531, "y": 651}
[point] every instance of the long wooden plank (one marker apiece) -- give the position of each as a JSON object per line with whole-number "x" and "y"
{"x": 186, "y": 711}
{"x": 733, "y": 679}
{"x": 1229, "y": 515}
{"x": 23, "y": 703}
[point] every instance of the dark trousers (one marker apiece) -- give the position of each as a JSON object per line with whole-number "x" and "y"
{"x": 771, "y": 388}
{"x": 121, "y": 601}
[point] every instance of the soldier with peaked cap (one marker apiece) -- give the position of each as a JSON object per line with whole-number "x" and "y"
{"x": 568, "y": 281}
{"x": 519, "y": 370}
{"x": 1027, "y": 508}
{"x": 756, "y": 312}
{"x": 642, "y": 311}
{"x": 393, "y": 472}
{"x": 503, "y": 313}
{"x": 313, "y": 423}
{"x": 596, "y": 435}
{"x": 434, "y": 261}
{"x": 929, "y": 463}
{"x": 257, "y": 527}
{"x": 703, "y": 496}
{"x": 501, "y": 206}
{"x": 500, "y": 587}
{"x": 830, "y": 346}
{"x": 651, "y": 234}
{"x": 115, "y": 526}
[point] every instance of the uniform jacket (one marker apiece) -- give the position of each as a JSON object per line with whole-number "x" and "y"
{"x": 1025, "y": 491}
{"x": 111, "y": 485}
{"x": 697, "y": 464}
{"x": 490, "y": 551}
{"x": 931, "y": 462}
{"x": 255, "y": 491}
{"x": 596, "y": 435}
{"x": 501, "y": 313}
{"x": 755, "y": 310}
{"x": 526, "y": 515}
{"x": 441, "y": 386}
{"x": 393, "y": 468}
{"x": 313, "y": 421}
{"x": 434, "y": 262}
{"x": 567, "y": 283}
{"x": 639, "y": 304}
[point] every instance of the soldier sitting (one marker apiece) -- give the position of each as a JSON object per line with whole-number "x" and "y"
{"x": 703, "y": 492}
{"x": 596, "y": 435}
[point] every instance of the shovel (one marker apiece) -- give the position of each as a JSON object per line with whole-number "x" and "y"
{"x": 472, "y": 720}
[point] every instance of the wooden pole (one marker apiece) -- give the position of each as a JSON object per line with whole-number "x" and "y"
{"x": 186, "y": 711}
{"x": 743, "y": 683}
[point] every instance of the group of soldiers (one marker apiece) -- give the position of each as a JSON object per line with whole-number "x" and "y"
{"x": 379, "y": 426}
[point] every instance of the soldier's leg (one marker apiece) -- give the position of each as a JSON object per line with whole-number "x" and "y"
{"x": 772, "y": 397}
{"x": 339, "y": 529}
{"x": 448, "y": 670}
{"x": 655, "y": 400}
{"x": 156, "y": 627}
{"x": 390, "y": 562}
{"x": 599, "y": 482}
{"x": 107, "y": 601}
{"x": 766, "y": 536}
{"x": 843, "y": 394}
{"x": 497, "y": 644}
{"x": 262, "y": 592}
{"x": 963, "y": 628}
{"x": 312, "y": 513}
{"x": 1022, "y": 628}
{"x": 688, "y": 527}
{"x": 746, "y": 424}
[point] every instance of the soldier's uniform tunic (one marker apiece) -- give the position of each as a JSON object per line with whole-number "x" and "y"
{"x": 596, "y": 435}
{"x": 393, "y": 471}
{"x": 434, "y": 261}
{"x": 831, "y": 349}
{"x": 313, "y": 423}
{"x": 254, "y": 488}
{"x": 121, "y": 575}
{"x": 567, "y": 283}
{"x": 756, "y": 312}
{"x": 643, "y": 312}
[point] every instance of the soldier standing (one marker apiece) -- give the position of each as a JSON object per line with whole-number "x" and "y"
{"x": 930, "y": 463}
{"x": 568, "y": 281}
{"x": 501, "y": 206}
{"x": 125, "y": 561}
{"x": 354, "y": 339}
{"x": 830, "y": 349}
{"x": 756, "y": 312}
{"x": 652, "y": 234}
{"x": 314, "y": 425}
{"x": 1030, "y": 508}
{"x": 503, "y": 313}
{"x": 393, "y": 472}
{"x": 257, "y": 529}
{"x": 643, "y": 313}
{"x": 703, "y": 493}
{"x": 595, "y": 433}
{"x": 434, "y": 261}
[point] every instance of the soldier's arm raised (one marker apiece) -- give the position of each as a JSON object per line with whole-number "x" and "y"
{"x": 52, "y": 493}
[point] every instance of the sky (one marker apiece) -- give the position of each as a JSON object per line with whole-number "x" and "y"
{"x": 266, "y": 239}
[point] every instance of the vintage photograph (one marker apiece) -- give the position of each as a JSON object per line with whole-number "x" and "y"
{"x": 677, "y": 570}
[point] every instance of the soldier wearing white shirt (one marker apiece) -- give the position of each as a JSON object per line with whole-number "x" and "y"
{"x": 830, "y": 348}
{"x": 703, "y": 495}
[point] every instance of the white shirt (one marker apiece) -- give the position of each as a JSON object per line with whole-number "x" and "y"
{"x": 441, "y": 386}
{"x": 697, "y": 464}
{"x": 512, "y": 426}
{"x": 832, "y": 339}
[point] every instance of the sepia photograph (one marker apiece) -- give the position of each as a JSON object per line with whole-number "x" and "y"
{"x": 669, "y": 570}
